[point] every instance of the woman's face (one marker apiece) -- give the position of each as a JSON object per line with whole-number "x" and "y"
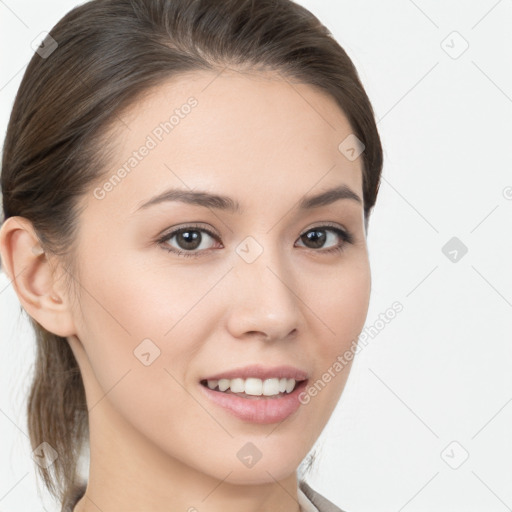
{"x": 261, "y": 289}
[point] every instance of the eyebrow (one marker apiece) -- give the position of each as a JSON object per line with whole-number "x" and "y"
{"x": 220, "y": 202}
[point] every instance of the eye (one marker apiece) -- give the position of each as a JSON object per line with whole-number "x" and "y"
{"x": 317, "y": 237}
{"x": 189, "y": 238}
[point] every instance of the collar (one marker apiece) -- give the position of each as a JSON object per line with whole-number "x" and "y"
{"x": 306, "y": 505}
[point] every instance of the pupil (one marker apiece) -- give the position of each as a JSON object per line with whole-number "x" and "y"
{"x": 320, "y": 240}
{"x": 195, "y": 237}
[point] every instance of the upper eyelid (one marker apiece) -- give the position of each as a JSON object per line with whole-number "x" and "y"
{"x": 172, "y": 231}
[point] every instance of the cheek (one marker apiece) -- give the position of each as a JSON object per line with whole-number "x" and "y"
{"x": 133, "y": 320}
{"x": 135, "y": 299}
{"x": 137, "y": 371}
{"x": 341, "y": 305}
{"x": 340, "y": 301}
{"x": 350, "y": 303}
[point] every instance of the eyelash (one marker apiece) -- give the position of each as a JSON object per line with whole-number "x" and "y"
{"x": 344, "y": 235}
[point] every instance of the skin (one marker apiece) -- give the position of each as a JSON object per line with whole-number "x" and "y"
{"x": 156, "y": 442}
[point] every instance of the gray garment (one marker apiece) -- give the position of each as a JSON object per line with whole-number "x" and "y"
{"x": 321, "y": 503}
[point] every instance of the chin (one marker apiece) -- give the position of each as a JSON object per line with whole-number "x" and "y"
{"x": 259, "y": 475}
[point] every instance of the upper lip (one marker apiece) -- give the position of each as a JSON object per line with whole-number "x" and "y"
{"x": 259, "y": 371}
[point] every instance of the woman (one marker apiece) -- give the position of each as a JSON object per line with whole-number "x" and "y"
{"x": 186, "y": 190}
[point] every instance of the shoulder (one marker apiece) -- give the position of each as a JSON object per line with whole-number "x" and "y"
{"x": 321, "y": 503}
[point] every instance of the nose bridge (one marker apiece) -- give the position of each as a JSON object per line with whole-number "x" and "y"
{"x": 266, "y": 300}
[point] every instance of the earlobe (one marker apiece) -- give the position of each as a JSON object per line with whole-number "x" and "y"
{"x": 33, "y": 278}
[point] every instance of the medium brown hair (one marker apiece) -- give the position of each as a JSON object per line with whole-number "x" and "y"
{"x": 109, "y": 53}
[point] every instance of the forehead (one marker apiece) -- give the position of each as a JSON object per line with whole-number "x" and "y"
{"x": 238, "y": 133}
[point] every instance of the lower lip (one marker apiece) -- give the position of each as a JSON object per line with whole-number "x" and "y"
{"x": 258, "y": 410}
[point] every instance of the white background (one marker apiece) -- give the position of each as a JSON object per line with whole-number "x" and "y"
{"x": 438, "y": 375}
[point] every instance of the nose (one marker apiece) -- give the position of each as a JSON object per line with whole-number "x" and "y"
{"x": 265, "y": 300}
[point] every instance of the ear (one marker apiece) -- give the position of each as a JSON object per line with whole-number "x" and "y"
{"x": 33, "y": 277}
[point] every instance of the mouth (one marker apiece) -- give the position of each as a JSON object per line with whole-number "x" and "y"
{"x": 254, "y": 400}
{"x": 255, "y": 388}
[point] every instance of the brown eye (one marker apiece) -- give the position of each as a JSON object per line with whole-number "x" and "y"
{"x": 188, "y": 239}
{"x": 316, "y": 238}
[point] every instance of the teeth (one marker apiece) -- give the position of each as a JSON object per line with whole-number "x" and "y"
{"x": 237, "y": 385}
{"x": 253, "y": 386}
